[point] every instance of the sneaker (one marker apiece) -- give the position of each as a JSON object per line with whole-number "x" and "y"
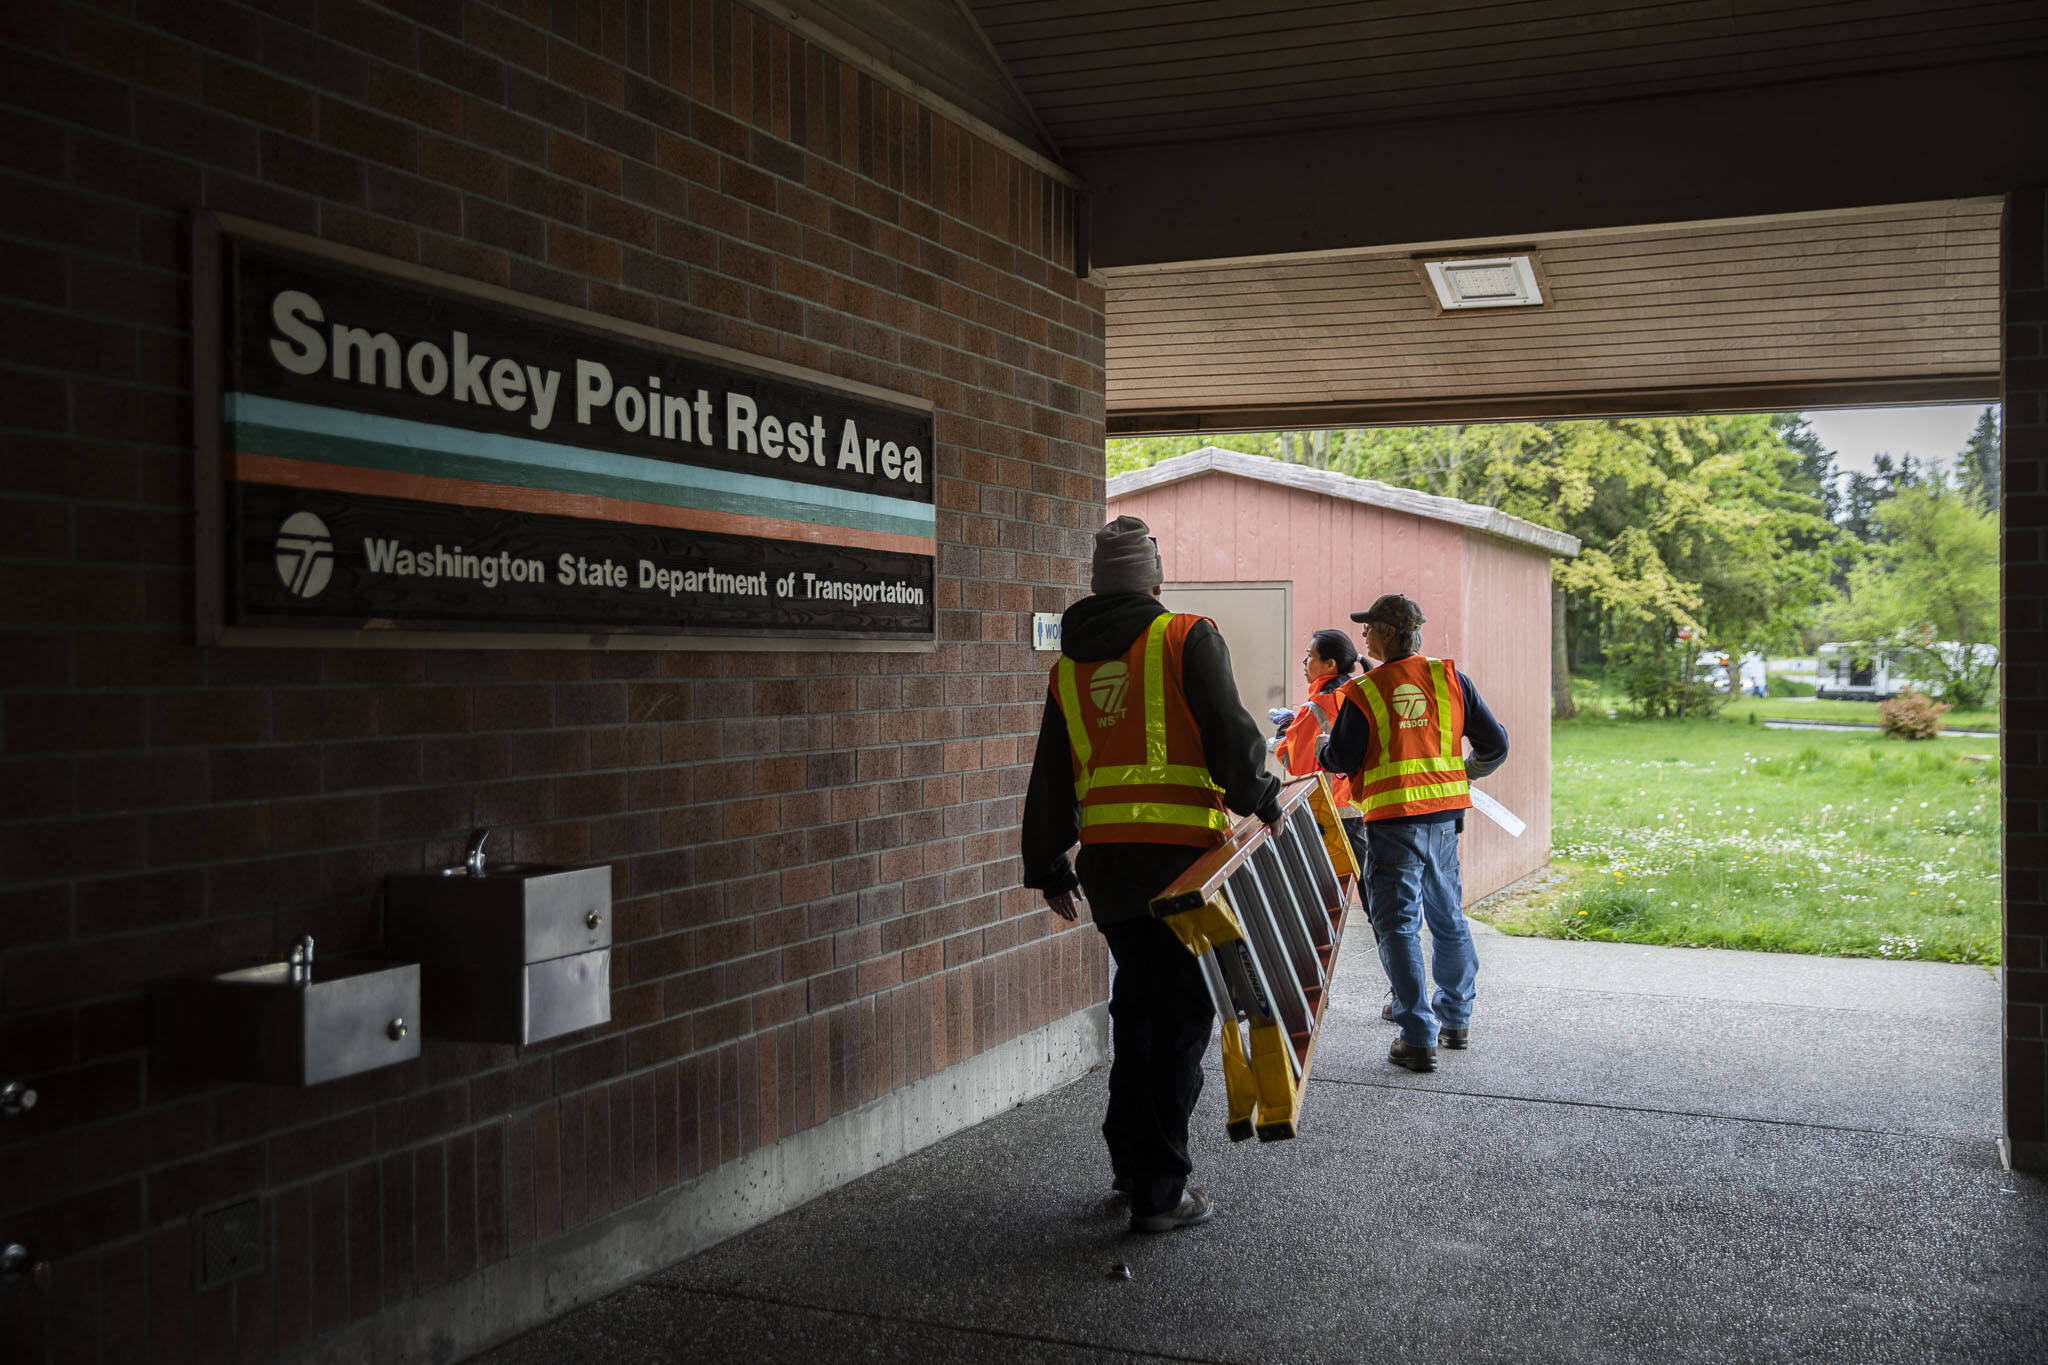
{"x": 1415, "y": 1058}
{"x": 1456, "y": 1039}
{"x": 1194, "y": 1207}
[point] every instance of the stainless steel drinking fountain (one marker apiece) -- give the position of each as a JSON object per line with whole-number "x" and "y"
{"x": 509, "y": 952}
{"x": 299, "y": 1022}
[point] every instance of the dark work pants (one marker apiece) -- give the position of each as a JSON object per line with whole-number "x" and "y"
{"x": 1160, "y": 1016}
{"x": 1361, "y": 853}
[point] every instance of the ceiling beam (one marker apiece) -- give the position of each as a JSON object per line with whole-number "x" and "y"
{"x": 1787, "y": 396}
{"x": 1939, "y": 133}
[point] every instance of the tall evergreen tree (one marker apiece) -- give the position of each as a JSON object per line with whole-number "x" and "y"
{"x": 1979, "y": 468}
{"x": 1862, "y": 493}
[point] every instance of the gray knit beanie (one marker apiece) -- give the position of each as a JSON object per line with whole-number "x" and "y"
{"x": 1126, "y": 558}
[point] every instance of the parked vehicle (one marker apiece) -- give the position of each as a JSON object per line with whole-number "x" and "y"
{"x": 1714, "y": 669}
{"x": 1855, "y": 671}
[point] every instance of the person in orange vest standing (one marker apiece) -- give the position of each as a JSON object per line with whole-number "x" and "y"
{"x": 1143, "y": 754}
{"x": 1326, "y": 665}
{"x": 1399, "y": 739}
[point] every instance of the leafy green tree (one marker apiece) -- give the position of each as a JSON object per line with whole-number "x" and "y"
{"x": 1711, "y": 526}
{"x": 1142, "y": 452}
{"x": 1931, "y": 589}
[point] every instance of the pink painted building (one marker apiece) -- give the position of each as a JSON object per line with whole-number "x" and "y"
{"x": 1275, "y": 551}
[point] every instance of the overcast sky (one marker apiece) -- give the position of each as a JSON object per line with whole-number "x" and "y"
{"x": 1858, "y": 434}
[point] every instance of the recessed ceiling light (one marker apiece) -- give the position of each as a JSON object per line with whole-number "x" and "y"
{"x": 1485, "y": 282}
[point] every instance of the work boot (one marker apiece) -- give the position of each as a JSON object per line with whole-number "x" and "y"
{"x": 1456, "y": 1039}
{"x": 1194, "y": 1207}
{"x": 1412, "y": 1056}
{"x": 1120, "y": 1188}
{"x": 1387, "y": 1010}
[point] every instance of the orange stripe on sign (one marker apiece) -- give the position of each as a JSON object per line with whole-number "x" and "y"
{"x": 332, "y": 478}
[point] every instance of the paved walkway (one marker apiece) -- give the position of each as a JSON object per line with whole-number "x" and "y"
{"x": 1649, "y": 1154}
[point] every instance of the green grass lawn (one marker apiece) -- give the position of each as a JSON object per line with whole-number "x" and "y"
{"x": 1597, "y": 696}
{"x": 1791, "y": 708}
{"x": 1724, "y": 834}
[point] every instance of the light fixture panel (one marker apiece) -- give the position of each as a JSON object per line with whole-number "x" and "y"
{"x": 1485, "y": 282}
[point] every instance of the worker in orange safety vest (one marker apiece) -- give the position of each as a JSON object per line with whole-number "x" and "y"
{"x": 1143, "y": 754}
{"x": 1326, "y": 664}
{"x": 1399, "y": 738}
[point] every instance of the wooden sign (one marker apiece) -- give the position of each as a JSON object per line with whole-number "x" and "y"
{"x": 389, "y": 455}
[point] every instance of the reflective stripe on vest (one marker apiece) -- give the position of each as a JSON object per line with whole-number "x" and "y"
{"x": 1417, "y": 784}
{"x": 1159, "y": 800}
{"x": 1340, "y": 785}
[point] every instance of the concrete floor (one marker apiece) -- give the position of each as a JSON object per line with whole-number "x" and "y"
{"x": 1649, "y": 1154}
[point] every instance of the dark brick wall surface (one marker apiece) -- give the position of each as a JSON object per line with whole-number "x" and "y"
{"x": 2023, "y": 695}
{"x": 814, "y": 850}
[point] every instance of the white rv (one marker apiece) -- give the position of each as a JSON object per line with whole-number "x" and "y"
{"x": 1854, "y": 671}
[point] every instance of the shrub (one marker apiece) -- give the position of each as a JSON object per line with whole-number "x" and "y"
{"x": 1911, "y": 715}
{"x": 1660, "y": 681}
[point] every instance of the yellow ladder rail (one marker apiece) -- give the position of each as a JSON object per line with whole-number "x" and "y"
{"x": 1265, "y": 915}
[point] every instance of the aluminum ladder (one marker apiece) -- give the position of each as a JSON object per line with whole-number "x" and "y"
{"x": 1264, "y": 913}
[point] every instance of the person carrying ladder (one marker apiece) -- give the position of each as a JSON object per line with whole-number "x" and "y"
{"x": 1143, "y": 754}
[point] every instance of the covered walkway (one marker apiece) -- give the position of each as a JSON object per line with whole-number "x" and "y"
{"x": 1649, "y": 1154}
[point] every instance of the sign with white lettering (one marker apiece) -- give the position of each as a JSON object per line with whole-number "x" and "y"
{"x": 397, "y": 452}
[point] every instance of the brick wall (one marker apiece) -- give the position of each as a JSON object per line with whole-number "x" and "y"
{"x": 814, "y": 850}
{"x": 2023, "y": 698}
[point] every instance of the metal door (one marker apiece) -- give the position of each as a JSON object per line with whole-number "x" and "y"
{"x": 1257, "y": 621}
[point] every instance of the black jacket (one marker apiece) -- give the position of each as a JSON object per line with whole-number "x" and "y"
{"x": 1349, "y": 738}
{"x": 1121, "y": 879}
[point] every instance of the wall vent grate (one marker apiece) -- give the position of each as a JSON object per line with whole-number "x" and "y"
{"x": 230, "y": 1243}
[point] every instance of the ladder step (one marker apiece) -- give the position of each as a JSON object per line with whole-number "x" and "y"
{"x": 1261, "y": 913}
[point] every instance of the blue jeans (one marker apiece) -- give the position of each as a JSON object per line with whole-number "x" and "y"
{"x": 1414, "y": 878}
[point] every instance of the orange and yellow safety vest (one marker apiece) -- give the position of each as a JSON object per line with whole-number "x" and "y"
{"x": 1139, "y": 773}
{"x": 1415, "y": 764}
{"x": 1311, "y": 724}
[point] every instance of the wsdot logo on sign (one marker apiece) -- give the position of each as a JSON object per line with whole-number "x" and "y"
{"x": 305, "y": 554}
{"x": 1411, "y": 705}
{"x": 1107, "y": 690}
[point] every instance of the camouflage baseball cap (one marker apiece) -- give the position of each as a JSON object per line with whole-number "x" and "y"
{"x": 1393, "y": 611}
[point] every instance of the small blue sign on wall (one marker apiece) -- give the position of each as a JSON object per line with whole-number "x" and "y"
{"x": 1045, "y": 630}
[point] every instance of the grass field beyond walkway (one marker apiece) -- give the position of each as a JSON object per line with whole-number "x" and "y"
{"x": 1859, "y": 712}
{"x": 1728, "y": 835}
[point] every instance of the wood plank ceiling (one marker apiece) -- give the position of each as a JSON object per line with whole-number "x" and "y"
{"x": 1152, "y": 71}
{"x": 1895, "y": 304}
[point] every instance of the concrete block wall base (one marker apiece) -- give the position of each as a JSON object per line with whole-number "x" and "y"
{"x": 519, "y": 1294}
{"x": 2019, "y": 1154}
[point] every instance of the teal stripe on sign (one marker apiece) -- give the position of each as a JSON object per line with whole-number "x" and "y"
{"x": 273, "y": 426}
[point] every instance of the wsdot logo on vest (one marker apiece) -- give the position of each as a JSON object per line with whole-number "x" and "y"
{"x": 1412, "y": 705}
{"x": 1107, "y": 689}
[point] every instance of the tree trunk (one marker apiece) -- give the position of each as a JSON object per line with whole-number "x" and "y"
{"x": 1561, "y": 707}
